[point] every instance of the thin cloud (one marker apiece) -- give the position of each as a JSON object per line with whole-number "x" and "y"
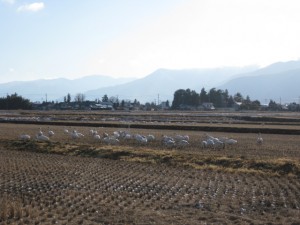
{"x": 33, "y": 7}
{"x": 8, "y": 1}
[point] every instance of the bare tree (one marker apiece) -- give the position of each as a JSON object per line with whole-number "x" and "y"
{"x": 79, "y": 98}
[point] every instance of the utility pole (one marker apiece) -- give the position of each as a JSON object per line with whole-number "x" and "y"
{"x": 157, "y": 99}
{"x": 280, "y": 100}
{"x": 7, "y": 101}
{"x": 46, "y": 97}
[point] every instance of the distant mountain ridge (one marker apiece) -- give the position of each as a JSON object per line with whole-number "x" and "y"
{"x": 56, "y": 89}
{"x": 278, "y": 81}
{"x": 161, "y": 84}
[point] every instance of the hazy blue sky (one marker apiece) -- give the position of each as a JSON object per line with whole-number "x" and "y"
{"x": 64, "y": 38}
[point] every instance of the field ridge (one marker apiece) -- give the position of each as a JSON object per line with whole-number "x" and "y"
{"x": 278, "y": 166}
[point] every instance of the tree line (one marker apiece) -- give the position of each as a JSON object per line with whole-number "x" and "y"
{"x": 14, "y": 101}
{"x": 219, "y": 98}
{"x": 182, "y": 99}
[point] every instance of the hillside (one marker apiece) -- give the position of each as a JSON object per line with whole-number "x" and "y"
{"x": 56, "y": 89}
{"x": 277, "y": 82}
{"x": 163, "y": 83}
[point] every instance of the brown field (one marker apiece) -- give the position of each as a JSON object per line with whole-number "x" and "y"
{"x": 85, "y": 181}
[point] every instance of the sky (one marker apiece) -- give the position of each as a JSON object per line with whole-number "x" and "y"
{"x": 133, "y": 38}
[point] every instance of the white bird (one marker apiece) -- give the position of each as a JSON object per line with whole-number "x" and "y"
{"x": 97, "y": 136}
{"x": 124, "y": 135}
{"x": 50, "y": 132}
{"x": 114, "y": 141}
{"x": 213, "y": 142}
{"x": 93, "y": 132}
{"x": 40, "y": 132}
{"x": 179, "y": 137}
{"x": 42, "y": 137}
{"x": 24, "y": 137}
{"x": 127, "y": 137}
{"x": 106, "y": 140}
{"x": 169, "y": 143}
{"x": 230, "y": 141}
{"x": 210, "y": 143}
{"x": 219, "y": 144}
{"x": 183, "y": 143}
{"x": 259, "y": 140}
{"x": 167, "y": 138}
{"x": 207, "y": 136}
{"x": 186, "y": 137}
{"x": 66, "y": 131}
{"x": 111, "y": 140}
{"x": 141, "y": 139}
{"x": 116, "y": 134}
{"x": 204, "y": 144}
{"x": 80, "y": 134}
{"x": 150, "y": 137}
{"x": 74, "y": 134}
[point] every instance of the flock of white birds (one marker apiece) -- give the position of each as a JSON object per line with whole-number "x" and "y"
{"x": 180, "y": 141}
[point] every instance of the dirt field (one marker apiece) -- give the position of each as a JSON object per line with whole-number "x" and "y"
{"x": 84, "y": 181}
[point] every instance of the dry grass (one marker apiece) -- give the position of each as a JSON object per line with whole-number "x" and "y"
{"x": 49, "y": 188}
{"x": 278, "y": 155}
{"x": 89, "y": 182}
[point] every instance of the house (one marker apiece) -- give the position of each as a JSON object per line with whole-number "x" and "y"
{"x": 237, "y": 105}
{"x": 164, "y": 105}
{"x": 208, "y": 106}
{"x": 102, "y": 106}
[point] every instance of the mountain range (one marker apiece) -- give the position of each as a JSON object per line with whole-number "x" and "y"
{"x": 56, "y": 89}
{"x": 278, "y": 81}
{"x": 161, "y": 84}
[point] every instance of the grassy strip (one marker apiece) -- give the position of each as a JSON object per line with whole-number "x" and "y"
{"x": 158, "y": 156}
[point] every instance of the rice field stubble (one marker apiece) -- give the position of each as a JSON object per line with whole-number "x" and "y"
{"x": 89, "y": 182}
